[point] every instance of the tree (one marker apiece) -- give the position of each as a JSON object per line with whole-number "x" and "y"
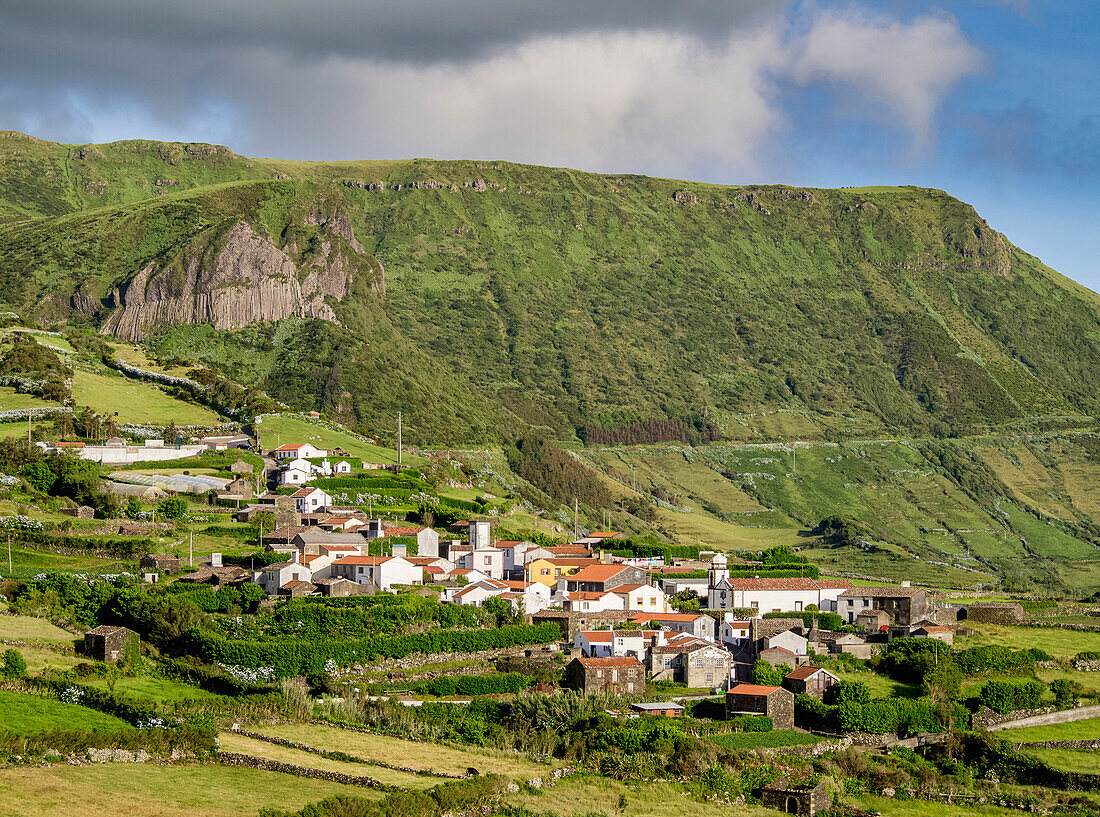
{"x": 171, "y": 434}
{"x": 133, "y": 508}
{"x": 764, "y": 673}
{"x": 15, "y": 666}
{"x": 172, "y": 508}
{"x": 40, "y": 476}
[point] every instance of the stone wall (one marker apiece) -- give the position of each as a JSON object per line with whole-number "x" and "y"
{"x": 342, "y": 756}
{"x": 1041, "y": 717}
{"x": 235, "y": 759}
{"x": 1089, "y": 745}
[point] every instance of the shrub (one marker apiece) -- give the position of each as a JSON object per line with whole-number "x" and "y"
{"x": 15, "y": 666}
{"x": 173, "y": 508}
{"x": 1004, "y": 696}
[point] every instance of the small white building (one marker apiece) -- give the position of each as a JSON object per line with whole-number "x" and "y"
{"x": 487, "y": 560}
{"x": 513, "y": 552}
{"x": 644, "y": 598}
{"x": 734, "y": 632}
{"x": 588, "y": 601}
{"x": 342, "y": 468}
{"x": 310, "y": 500}
{"x": 272, "y": 577}
{"x": 292, "y": 451}
{"x": 382, "y": 571}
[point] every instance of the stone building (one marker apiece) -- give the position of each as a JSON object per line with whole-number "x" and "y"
{"x": 811, "y": 680}
{"x": 904, "y": 605}
{"x": 757, "y": 699}
{"x": 696, "y": 664}
{"x": 164, "y": 562}
{"x": 590, "y": 674}
{"x": 106, "y": 643}
{"x": 993, "y": 612}
{"x": 800, "y": 800}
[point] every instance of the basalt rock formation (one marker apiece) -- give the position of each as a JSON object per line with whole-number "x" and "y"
{"x": 247, "y": 280}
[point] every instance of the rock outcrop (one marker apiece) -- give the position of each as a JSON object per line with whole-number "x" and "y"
{"x": 249, "y": 280}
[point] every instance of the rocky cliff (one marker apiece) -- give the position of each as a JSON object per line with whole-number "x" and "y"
{"x": 245, "y": 279}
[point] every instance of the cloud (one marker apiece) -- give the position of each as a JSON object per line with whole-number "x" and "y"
{"x": 681, "y": 87}
{"x": 902, "y": 69}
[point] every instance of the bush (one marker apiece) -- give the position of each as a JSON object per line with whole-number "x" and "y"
{"x": 15, "y": 666}
{"x": 1004, "y": 696}
{"x": 491, "y": 684}
{"x": 172, "y": 508}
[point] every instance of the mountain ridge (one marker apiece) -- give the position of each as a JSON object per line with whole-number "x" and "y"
{"x": 514, "y": 295}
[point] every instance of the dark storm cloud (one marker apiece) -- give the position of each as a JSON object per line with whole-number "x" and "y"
{"x": 418, "y": 31}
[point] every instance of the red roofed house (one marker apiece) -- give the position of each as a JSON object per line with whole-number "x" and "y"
{"x": 590, "y": 674}
{"x": 756, "y": 699}
{"x": 605, "y": 577}
{"x": 382, "y": 571}
{"x": 293, "y": 451}
{"x": 644, "y": 597}
{"x": 693, "y": 623}
{"x": 308, "y": 500}
{"x": 811, "y": 680}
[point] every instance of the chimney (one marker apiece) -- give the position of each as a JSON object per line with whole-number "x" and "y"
{"x": 906, "y": 584}
{"x": 215, "y": 560}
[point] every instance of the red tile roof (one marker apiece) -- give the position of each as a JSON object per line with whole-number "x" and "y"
{"x": 752, "y": 689}
{"x": 596, "y": 573}
{"x": 602, "y": 534}
{"x": 772, "y": 584}
{"x": 624, "y": 661}
{"x": 802, "y": 673}
{"x": 643, "y": 618}
{"x": 291, "y": 447}
{"x": 597, "y": 635}
{"x": 302, "y": 492}
{"x": 363, "y": 560}
{"x": 406, "y": 531}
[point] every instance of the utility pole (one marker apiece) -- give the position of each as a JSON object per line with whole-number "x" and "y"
{"x": 399, "y": 441}
{"x": 635, "y": 481}
{"x": 191, "y": 550}
{"x": 794, "y": 461}
{"x": 10, "y": 570}
{"x": 576, "y": 524}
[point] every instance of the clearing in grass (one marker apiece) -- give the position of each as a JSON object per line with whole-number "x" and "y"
{"x": 232, "y": 742}
{"x": 764, "y": 740}
{"x": 135, "y": 401}
{"x": 31, "y": 715}
{"x": 404, "y": 752}
{"x": 176, "y": 790}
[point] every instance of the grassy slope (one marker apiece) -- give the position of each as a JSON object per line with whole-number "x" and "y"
{"x": 1078, "y": 730}
{"x": 176, "y": 790}
{"x": 292, "y": 429}
{"x": 566, "y": 295}
{"x": 136, "y": 401}
{"x": 30, "y": 714}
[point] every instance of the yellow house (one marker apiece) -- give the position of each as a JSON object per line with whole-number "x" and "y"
{"x": 549, "y": 571}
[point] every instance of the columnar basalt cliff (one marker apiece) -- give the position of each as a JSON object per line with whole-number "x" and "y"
{"x": 248, "y": 280}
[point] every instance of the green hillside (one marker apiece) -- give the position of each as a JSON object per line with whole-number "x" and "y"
{"x": 515, "y": 294}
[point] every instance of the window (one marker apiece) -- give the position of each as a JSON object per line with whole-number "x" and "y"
{"x": 557, "y": 571}
{"x": 755, "y": 605}
{"x": 851, "y": 602}
{"x": 719, "y": 662}
{"x": 489, "y": 561}
{"x": 653, "y": 600}
{"x": 599, "y": 673}
{"x": 545, "y": 571}
{"x": 798, "y": 606}
{"x": 668, "y": 662}
{"x": 710, "y": 677}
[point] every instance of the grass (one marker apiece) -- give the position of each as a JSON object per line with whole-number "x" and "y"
{"x": 282, "y": 429}
{"x": 29, "y": 628}
{"x": 1077, "y": 730}
{"x": 176, "y": 790}
{"x": 585, "y": 795}
{"x": 1052, "y": 640}
{"x": 135, "y": 401}
{"x": 31, "y": 715}
{"x": 10, "y": 400}
{"x": 880, "y": 685}
{"x": 924, "y": 808}
{"x": 28, "y": 562}
{"x": 764, "y": 740}
{"x": 232, "y": 742}
{"x": 1068, "y": 760}
{"x": 406, "y": 753}
{"x": 162, "y": 690}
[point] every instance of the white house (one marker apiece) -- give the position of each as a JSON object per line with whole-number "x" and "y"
{"x": 427, "y": 540}
{"x": 487, "y": 560}
{"x": 618, "y": 643}
{"x": 320, "y": 564}
{"x": 734, "y": 632}
{"x": 292, "y": 451}
{"x": 272, "y": 577}
{"x": 342, "y": 468}
{"x": 477, "y": 593}
{"x": 787, "y": 640}
{"x": 588, "y": 601}
{"x": 696, "y": 624}
{"x": 383, "y": 571}
{"x": 513, "y": 552}
{"x": 310, "y": 500}
{"x": 644, "y": 598}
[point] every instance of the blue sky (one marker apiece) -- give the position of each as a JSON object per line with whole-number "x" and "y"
{"x": 995, "y": 101}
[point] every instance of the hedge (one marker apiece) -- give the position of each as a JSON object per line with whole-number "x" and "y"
{"x": 1004, "y": 696}
{"x": 752, "y": 723}
{"x": 291, "y": 656}
{"x": 491, "y": 684}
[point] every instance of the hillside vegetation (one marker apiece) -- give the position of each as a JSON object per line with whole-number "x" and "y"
{"x": 484, "y": 296}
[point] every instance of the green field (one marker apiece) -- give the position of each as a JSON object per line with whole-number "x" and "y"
{"x": 1068, "y": 760}
{"x": 28, "y": 628}
{"x": 590, "y": 795}
{"x": 29, "y": 715}
{"x": 1077, "y": 730}
{"x": 135, "y": 401}
{"x": 28, "y": 562}
{"x": 764, "y": 740}
{"x": 10, "y": 400}
{"x": 441, "y": 758}
{"x": 232, "y": 742}
{"x": 924, "y": 808}
{"x": 282, "y": 429}
{"x": 176, "y": 790}
{"x": 1055, "y": 641}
